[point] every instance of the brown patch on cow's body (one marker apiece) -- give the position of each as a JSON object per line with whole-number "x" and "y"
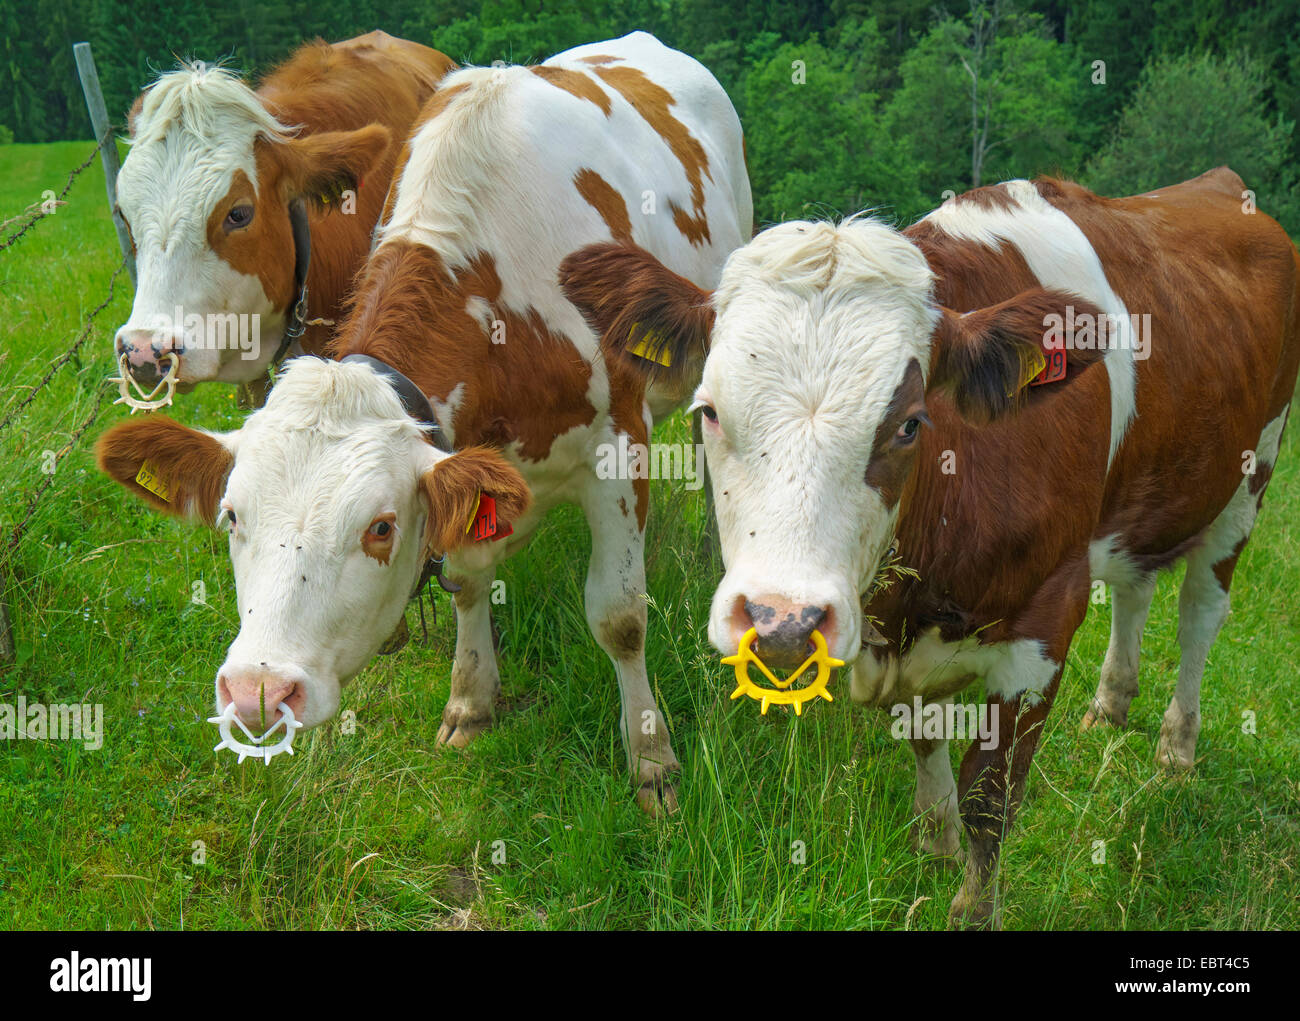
{"x": 605, "y": 199}
{"x": 1224, "y": 568}
{"x": 890, "y": 462}
{"x": 600, "y": 58}
{"x": 411, "y": 313}
{"x": 627, "y": 403}
{"x": 967, "y": 273}
{"x": 1224, "y": 355}
{"x": 991, "y": 196}
{"x": 653, "y": 102}
{"x": 1221, "y": 288}
{"x": 576, "y": 84}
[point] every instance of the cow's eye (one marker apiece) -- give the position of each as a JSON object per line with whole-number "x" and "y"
{"x": 239, "y": 216}
{"x": 226, "y": 518}
{"x": 380, "y": 529}
{"x": 908, "y": 430}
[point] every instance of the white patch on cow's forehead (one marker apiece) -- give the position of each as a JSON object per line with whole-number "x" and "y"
{"x": 331, "y": 441}
{"x": 194, "y": 130}
{"x": 821, "y": 319}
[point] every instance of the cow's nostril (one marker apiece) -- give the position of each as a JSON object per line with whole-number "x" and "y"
{"x": 784, "y": 629}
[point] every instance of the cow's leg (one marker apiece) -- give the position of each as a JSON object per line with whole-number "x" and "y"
{"x": 1130, "y": 602}
{"x": 616, "y": 613}
{"x": 1203, "y": 600}
{"x": 475, "y": 681}
{"x": 992, "y": 782}
{"x": 938, "y": 826}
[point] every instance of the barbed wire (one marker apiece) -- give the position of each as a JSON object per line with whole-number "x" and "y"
{"x": 67, "y": 355}
{"x": 41, "y": 212}
{"x": 35, "y": 499}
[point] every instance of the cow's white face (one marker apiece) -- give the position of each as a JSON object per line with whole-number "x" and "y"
{"x": 326, "y": 542}
{"x": 813, "y": 393}
{"x": 189, "y": 190}
{"x": 333, "y": 500}
{"x": 206, "y": 191}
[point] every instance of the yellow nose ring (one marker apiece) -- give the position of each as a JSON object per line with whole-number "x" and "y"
{"x": 782, "y": 693}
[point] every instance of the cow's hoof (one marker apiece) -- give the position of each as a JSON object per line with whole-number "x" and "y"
{"x": 940, "y": 841}
{"x": 1176, "y": 749}
{"x": 657, "y": 798}
{"x": 973, "y": 914}
{"x": 460, "y": 726}
{"x": 1097, "y": 716}
{"x": 1174, "y": 759}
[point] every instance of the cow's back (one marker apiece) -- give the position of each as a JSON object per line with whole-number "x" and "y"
{"x": 513, "y": 168}
{"x": 371, "y": 79}
{"x": 1220, "y": 283}
{"x": 1213, "y": 288}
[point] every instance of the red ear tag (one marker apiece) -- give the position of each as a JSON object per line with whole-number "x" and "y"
{"x": 1053, "y": 371}
{"x": 484, "y": 525}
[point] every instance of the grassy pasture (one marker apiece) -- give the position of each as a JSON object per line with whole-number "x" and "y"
{"x": 380, "y": 829}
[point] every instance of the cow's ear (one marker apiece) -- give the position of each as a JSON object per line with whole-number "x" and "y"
{"x": 322, "y": 166}
{"x": 176, "y": 469}
{"x": 649, "y": 316}
{"x": 134, "y": 113}
{"x": 988, "y": 357}
{"x": 453, "y": 487}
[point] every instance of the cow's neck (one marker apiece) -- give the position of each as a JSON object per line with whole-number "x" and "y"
{"x": 410, "y": 313}
{"x": 934, "y": 526}
{"x": 508, "y": 378}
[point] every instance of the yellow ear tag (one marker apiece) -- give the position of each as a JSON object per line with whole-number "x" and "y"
{"x": 1032, "y": 363}
{"x": 473, "y": 515}
{"x": 782, "y": 693}
{"x": 149, "y": 479}
{"x": 648, "y": 339}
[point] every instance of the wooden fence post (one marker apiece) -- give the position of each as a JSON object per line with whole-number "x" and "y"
{"x": 108, "y": 145}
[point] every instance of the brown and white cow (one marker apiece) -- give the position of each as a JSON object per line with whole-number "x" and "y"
{"x": 217, "y": 172}
{"x": 510, "y": 170}
{"x": 865, "y": 389}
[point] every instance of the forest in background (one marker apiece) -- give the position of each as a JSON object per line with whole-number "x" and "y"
{"x": 847, "y": 104}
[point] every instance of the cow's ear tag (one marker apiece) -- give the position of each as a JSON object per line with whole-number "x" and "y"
{"x": 483, "y": 524}
{"x": 1053, "y": 370}
{"x": 148, "y": 478}
{"x": 645, "y": 339}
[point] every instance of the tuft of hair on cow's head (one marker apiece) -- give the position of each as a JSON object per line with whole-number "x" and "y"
{"x": 647, "y": 315}
{"x": 453, "y": 488}
{"x": 983, "y": 357}
{"x": 175, "y": 469}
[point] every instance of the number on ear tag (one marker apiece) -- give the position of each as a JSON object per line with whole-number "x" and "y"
{"x": 148, "y": 478}
{"x": 650, "y": 338}
{"x": 483, "y": 524}
{"x": 1053, "y": 371}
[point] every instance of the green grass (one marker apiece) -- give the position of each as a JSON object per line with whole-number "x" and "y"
{"x": 381, "y": 829}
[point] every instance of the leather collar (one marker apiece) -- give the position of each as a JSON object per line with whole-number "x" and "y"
{"x": 412, "y": 397}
